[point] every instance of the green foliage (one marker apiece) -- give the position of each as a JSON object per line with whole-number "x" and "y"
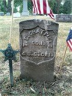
{"x": 51, "y": 3}
{"x": 2, "y": 6}
{"x": 67, "y": 7}
{"x": 55, "y": 5}
{"x": 15, "y": 9}
{"x": 30, "y": 6}
{"x": 5, "y": 5}
{"x": 61, "y": 8}
{"x": 18, "y": 3}
{"x": 21, "y": 7}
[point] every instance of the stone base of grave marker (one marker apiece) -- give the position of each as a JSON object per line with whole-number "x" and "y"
{"x": 25, "y": 13}
{"x": 41, "y": 72}
{"x": 25, "y": 8}
{"x": 38, "y": 40}
{"x": 63, "y": 18}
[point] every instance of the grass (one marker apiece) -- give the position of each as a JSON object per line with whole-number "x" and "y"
{"x": 22, "y": 85}
{"x": 5, "y": 23}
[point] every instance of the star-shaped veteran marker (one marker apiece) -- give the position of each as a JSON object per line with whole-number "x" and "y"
{"x": 10, "y": 55}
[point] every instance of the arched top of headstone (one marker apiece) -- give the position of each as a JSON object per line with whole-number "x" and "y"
{"x": 44, "y": 24}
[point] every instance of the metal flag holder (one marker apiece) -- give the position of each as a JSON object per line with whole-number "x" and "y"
{"x": 9, "y": 53}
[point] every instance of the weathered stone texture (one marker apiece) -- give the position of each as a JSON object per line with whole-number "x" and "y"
{"x": 64, "y": 18}
{"x": 38, "y": 40}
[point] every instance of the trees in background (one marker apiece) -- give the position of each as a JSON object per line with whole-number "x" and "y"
{"x": 1, "y": 5}
{"x": 56, "y": 6}
{"x": 30, "y": 6}
{"x": 61, "y": 6}
{"x": 67, "y": 7}
{"x": 9, "y": 6}
{"x": 18, "y": 3}
{"x": 5, "y": 5}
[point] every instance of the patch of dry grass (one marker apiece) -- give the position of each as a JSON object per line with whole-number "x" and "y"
{"x": 5, "y": 23}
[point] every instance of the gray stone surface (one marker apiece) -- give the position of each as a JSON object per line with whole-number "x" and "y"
{"x": 17, "y": 15}
{"x": 25, "y": 8}
{"x": 64, "y": 18}
{"x": 1, "y": 13}
{"x": 8, "y": 14}
{"x": 38, "y": 40}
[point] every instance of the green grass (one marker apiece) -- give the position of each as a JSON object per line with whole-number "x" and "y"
{"x": 5, "y": 23}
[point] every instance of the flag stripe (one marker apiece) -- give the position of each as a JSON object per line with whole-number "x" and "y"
{"x": 69, "y": 44}
{"x": 34, "y": 6}
{"x": 42, "y": 7}
{"x": 48, "y": 8}
{"x": 69, "y": 40}
{"x": 35, "y": 3}
{"x": 39, "y": 6}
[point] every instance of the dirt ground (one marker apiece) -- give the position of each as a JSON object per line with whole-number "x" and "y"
{"x": 61, "y": 86}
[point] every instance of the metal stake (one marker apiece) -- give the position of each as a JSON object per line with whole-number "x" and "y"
{"x": 11, "y": 71}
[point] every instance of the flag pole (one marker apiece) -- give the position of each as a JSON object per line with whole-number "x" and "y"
{"x": 63, "y": 57}
{"x": 11, "y": 27}
{"x": 10, "y": 60}
{"x": 69, "y": 38}
{"x": 9, "y": 53}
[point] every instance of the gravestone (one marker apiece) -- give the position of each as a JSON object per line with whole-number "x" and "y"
{"x": 64, "y": 18}
{"x": 25, "y": 8}
{"x": 16, "y": 15}
{"x": 38, "y": 40}
{"x": 1, "y": 13}
{"x": 8, "y": 14}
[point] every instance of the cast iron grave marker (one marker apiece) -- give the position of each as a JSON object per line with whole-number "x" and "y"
{"x": 9, "y": 54}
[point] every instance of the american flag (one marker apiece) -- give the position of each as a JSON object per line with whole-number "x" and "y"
{"x": 42, "y": 7}
{"x": 69, "y": 39}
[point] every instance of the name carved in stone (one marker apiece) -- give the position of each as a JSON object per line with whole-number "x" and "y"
{"x": 37, "y": 43}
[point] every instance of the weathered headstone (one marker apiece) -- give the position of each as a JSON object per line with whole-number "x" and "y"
{"x": 8, "y": 14}
{"x": 38, "y": 40}
{"x": 64, "y": 18}
{"x": 16, "y": 15}
{"x": 1, "y": 13}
